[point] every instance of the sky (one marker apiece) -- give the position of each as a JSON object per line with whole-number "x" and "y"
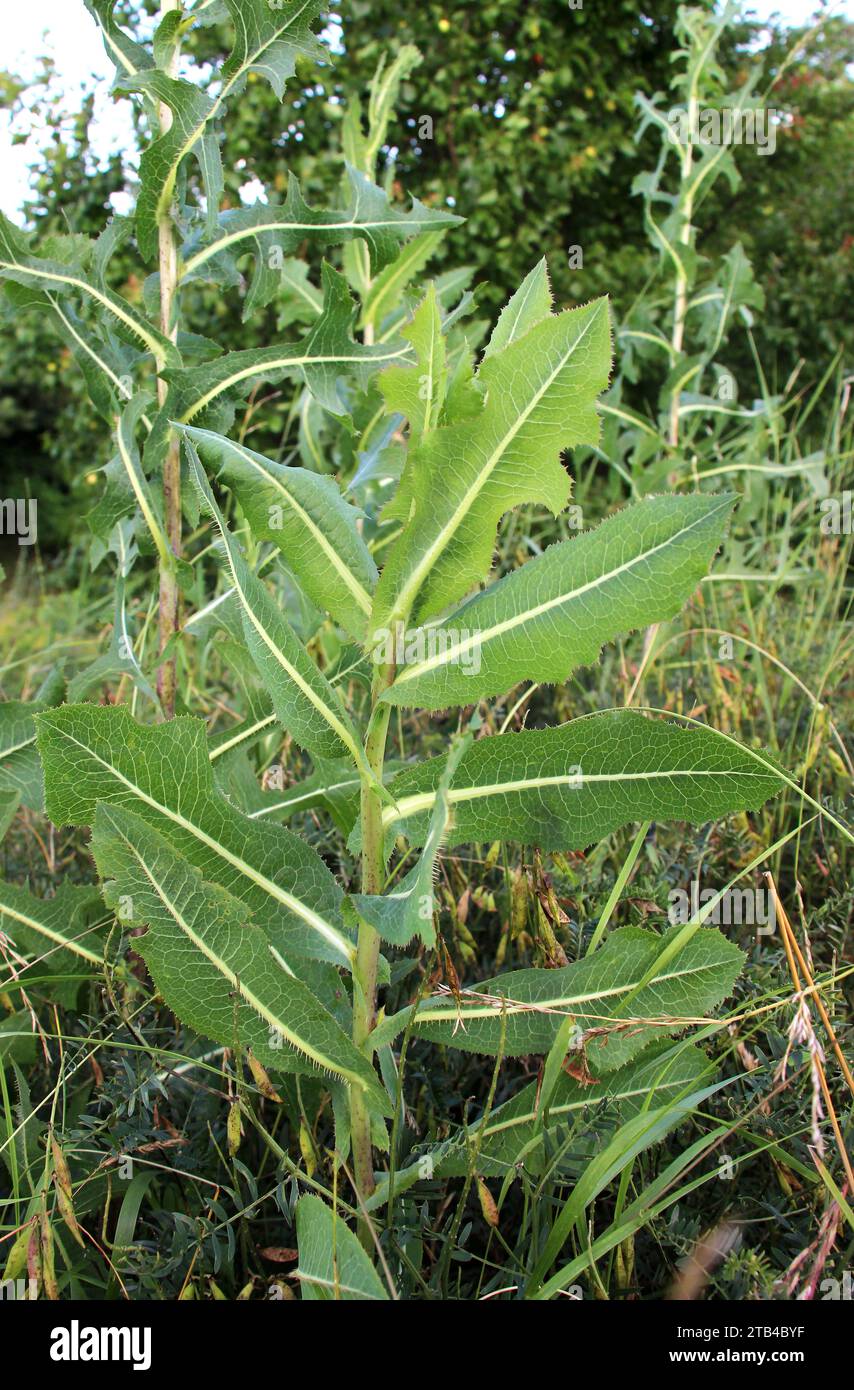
{"x": 65, "y": 30}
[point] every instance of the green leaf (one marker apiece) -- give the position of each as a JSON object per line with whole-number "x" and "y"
{"x": 332, "y": 1263}
{"x": 191, "y": 109}
{"x": 305, "y": 516}
{"x": 105, "y": 368}
{"x": 273, "y": 232}
{"x": 20, "y": 768}
{"x": 267, "y": 42}
{"x": 304, "y": 701}
{"x": 408, "y": 910}
{"x": 120, "y": 658}
{"x": 214, "y": 968}
{"x": 128, "y": 454}
{"x": 128, "y": 56}
{"x": 17, "y": 263}
{"x": 511, "y": 1134}
{"x": 10, "y": 800}
{"x": 384, "y": 295}
{"x": 207, "y": 394}
{"x": 361, "y": 149}
{"x": 531, "y": 303}
{"x": 604, "y": 993}
{"x": 418, "y": 392}
{"x": 56, "y": 926}
{"x": 540, "y": 398}
{"x": 94, "y": 754}
{"x": 568, "y": 787}
{"x": 553, "y": 615}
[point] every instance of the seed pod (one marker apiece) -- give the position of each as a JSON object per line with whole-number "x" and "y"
{"x": 487, "y": 1204}
{"x": 262, "y": 1080}
{"x": 17, "y": 1260}
{"x": 47, "y": 1256}
{"x": 64, "y": 1200}
{"x": 306, "y": 1147}
{"x": 234, "y": 1130}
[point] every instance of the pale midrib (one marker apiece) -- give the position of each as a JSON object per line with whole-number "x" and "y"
{"x": 317, "y": 923}
{"x": 305, "y": 796}
{"x": 274, "y": 1019}
{"x": 489, "y": 634}
{"x": 279, "y": 364}
{"x": 411, "y": 805}
{"x": 327, "y": 714}
{"x": 16, "y": 748}
{"x": 428, "y": 400}
{"x": 412, "y": 223}
{"x": 81, "y": 342}
{"x": 193, "y": 138}
{"x": 135, "y": 326}
{"x": 398, "y": 273}
{"x": 139, "y": 491}
{"x": 613, "y": 1098}
{"x": 121, "y": 58}
{"x": 422, "y": 569}
{"x": 358, "y": 592}
{"x": 68, "y": 943}
{"x": 511, "y": 1008}
{"x": 242, "y": 737}
{"x": 511, "y": 336}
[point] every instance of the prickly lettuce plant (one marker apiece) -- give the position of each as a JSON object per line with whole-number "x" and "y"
{"x": 677, "y": 331}
{"x": 249, "y": 936}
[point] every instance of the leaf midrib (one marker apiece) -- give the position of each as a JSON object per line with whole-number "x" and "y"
{"x": 232, "y": 976}
{"x": 410, "y": 589}
{"x": 458, "y": 649}
{"x": 67, "y": 942}
{"x": 516, "y": 1007}
{"x": 300, "y": 909}
{"x": 359, "y": 593}
{"x": 412, "y": 805}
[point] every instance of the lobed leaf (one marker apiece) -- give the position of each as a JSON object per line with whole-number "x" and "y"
{"x": 215, "y": 968}
{"x": 554, "y": 614}
{"x": 17, "y": 263}
{"x": 631, "y": 991}
{"x": 272, "y": 232}
{"x": 95, "y": 755}
{"x": 567, "y": 787}
{"x": 540, "y": 397}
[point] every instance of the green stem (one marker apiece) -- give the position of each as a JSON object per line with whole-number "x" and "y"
{"x": 368, "y": 945}
{"x": 680, "y": 307}
{"x": 168, "y": 267}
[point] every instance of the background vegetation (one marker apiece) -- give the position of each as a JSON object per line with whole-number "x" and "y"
{"x": 534, "y": 138}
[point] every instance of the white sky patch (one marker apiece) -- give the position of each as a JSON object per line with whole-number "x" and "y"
{"x": 65, "y": 30}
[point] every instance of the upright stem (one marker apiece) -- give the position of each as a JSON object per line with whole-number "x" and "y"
{"x": 680, "y": 309}
{"x": 368, "y": 945}
{"x": 168, "y": 266}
